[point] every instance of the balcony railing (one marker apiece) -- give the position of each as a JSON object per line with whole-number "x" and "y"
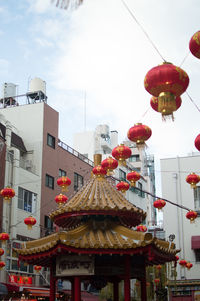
{"x": 72, "y": 151}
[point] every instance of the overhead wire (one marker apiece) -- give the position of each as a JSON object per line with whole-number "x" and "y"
{"x": 143, "y": 30}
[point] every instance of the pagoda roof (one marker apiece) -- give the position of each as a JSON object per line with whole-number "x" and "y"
{"x": 97, "y": 197}
{"x": 94, "y": 237}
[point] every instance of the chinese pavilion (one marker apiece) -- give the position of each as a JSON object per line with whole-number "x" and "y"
{"x": 96, "y": 242}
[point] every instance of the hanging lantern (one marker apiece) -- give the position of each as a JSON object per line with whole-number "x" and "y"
{"x": 189, "y": 265}
{"x": 166, "y": 81}
{"x": 197, "y": 142}
{"x": 64, "y": 182}
{"x": 176, "y": 258}
{"x": 194, "y": 44}
{"x": 192, "y": 179}
{"x": 141, "y": 228}
{"x": 37, "y": 268}
{"x": 156, "y": 281}
{"x": 122, "y": 186}
{"x": 159, "y": 267}
{"x": 99, "y": 171}
{"x": 2, "y": 265}
{"x": 109, "y": 164}
{"x": 191, "y": 215}
{"x": 159, "y": 204}
{"x": 61, "y": 199}
{"x": 30, "y": 222}
{"x": 8, "y": 193}
{"x": 1, "y": 251}
{"x": 154, "y": 104}
{"x": 139, "y": 133}
{"x": 182, "y": 263}
{"x": 121, "y": 153}
{"x": 4, "y": 237}
{"x": 133, "y": 177}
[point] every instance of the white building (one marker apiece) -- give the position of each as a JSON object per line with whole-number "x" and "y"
{"x": 102, "y": 141}
{"x": 175, "y": 188}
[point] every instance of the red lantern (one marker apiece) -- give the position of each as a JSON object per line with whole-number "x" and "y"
{"x": 182, "y": 263}
{"x": 122, "y": 186}
{"x": 30, "y": 222}
{"x": 156, "y": 281}
{"x": 1, "y": 251}
{"x": 159, "y": 267}
{"x": 194, "y": 44}
{"x": 141, "y": 228}
{"x": 189, "y": 265}
{"x": 139, "y": 133}
{"x": 176, "y": 258}
{"x": 109, "y": 164}
{"x": 2, "y": 265}
{"x": 133, "y": 177}
{"x": 166, "y": 81}
{"x": 121, "y": 153}
{"x": 192, "y": 179}
{"x": 191, "y": 215}
{"x": 159, "y": 204}
{"x": 61, "y": 199}
{"x": 7, "y": 193}
{"x": 154, "y": 105}
{"x": 64, "y": 182}
{"x": 37, "y": 268}
{"x": 4, "y": 237}
{"x": 99, "y": 171}
{"x": 197, "y": 142}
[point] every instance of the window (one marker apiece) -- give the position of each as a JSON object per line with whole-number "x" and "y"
{"x": 50, "y": 141}
{"x": 49, "y": 182}
{"x": 197, "y": 198}
{"x": 78, "y": 181}
{"x": 122, "y": 175}
{"x": 27, "y": 200}
{"x": 140, "y": 192}
{"x": 197, "y": 255}
{"x": 48, "y": 224}
{"x": 134, "y": 158}
{"x": 62, "y": 173}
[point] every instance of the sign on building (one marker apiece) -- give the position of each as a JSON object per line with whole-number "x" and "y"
{"x": 71, "y": 265}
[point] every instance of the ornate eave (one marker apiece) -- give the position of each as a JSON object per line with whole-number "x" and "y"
{"x": 97, "y": 197}
{"x": 97, "y": 238}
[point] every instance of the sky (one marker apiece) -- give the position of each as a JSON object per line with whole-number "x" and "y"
{"x": 98, "y": 52}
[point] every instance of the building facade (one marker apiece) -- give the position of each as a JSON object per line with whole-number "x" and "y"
{"x": 187, "y": 235}
{"x": 32, "y": 158}
{"x": 102, "y": 141}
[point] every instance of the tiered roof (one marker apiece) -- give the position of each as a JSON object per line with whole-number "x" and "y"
{"x": 97, "y": 220}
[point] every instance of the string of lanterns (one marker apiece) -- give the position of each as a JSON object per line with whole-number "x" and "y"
{"x": 166, "y": 83}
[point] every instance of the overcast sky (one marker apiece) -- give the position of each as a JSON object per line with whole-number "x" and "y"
{"x": 100, "y": 50}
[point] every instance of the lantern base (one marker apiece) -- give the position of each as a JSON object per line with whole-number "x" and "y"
{"x": 133, "y": 184}
{"x": 122, "y": 162}
{"x": 167, "y": 104}
{"x": 7, "y": 200}
{"x": 29, "y": 227}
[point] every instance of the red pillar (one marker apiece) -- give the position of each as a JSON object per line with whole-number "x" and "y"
{"x": 77, "y": 289}
{"x": 116, "y": 290}
{"x": 52, "y": 282}
{"x": 144, "y": 287}
{"x": 72, "y": 289}
{"x": 127, "y": 288}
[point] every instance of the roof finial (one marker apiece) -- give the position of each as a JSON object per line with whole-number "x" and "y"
{"x": 97, "y": 159}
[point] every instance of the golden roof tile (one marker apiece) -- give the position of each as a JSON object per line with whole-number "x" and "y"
{"x": 98, "y": 235}
{"x": 98, "y": 196}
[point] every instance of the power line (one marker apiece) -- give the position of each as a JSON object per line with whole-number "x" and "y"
{"x": 143, "y": 30}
